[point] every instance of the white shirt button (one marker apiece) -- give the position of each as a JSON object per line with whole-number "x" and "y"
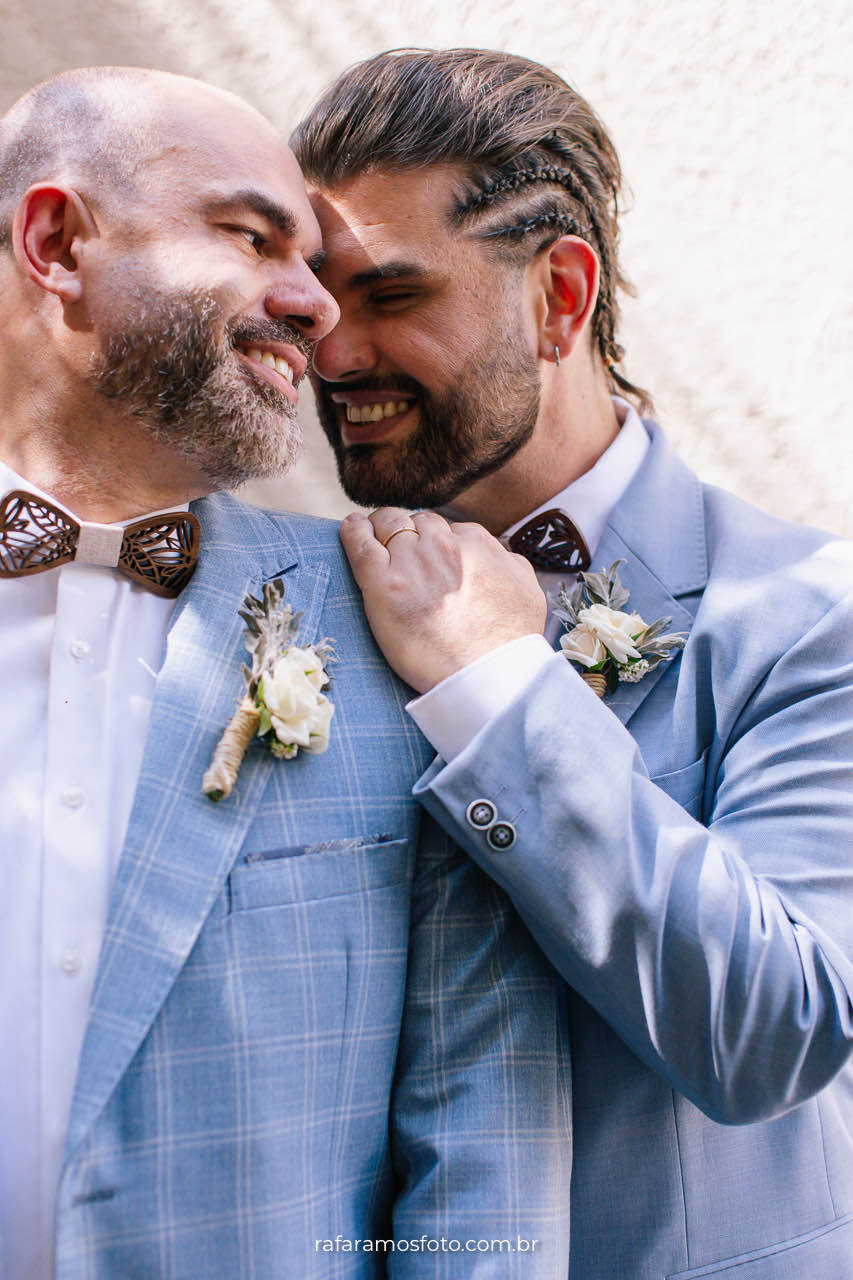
{"x": 72, "y": 797}
{"x": 70, "y": 963}
{"x": 79, "y": 649}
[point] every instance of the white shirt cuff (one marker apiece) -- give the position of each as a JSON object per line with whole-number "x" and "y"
{"x": 452, "y": 713}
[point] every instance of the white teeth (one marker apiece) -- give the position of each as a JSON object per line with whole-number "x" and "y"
{"x": 375, "y": 412}
{"x": 274, "y": 362}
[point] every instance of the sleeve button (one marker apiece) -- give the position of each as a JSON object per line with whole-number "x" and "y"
{"x": 480, "y": 814}
{"x": 501, "y": 836}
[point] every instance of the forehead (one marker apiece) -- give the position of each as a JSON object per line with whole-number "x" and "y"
{"x": 389, "y": 214}
{"x": 207, "y": 154}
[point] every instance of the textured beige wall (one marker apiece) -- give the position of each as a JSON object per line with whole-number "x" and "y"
{"x": 735, "y": 128}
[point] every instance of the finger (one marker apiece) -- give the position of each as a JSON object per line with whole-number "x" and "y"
{"x": 429, "y": 521}
{"x": 386, "y": 520}
{"x": 363, "y": 551}
{"x": 478, "y": 533}
{"x": 436, "y": 532}
{"x": 393, "y": 549}
{"x": 470, "y": 529}
{"x": 482, "y": 543}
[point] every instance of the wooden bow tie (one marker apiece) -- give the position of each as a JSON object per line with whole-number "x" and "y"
{"x": 159, "y": 552}
{"x": 552, "y": 541}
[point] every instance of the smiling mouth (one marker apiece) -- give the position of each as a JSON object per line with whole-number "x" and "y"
{"x": 376, "y": 411}
{"x": 271, "y": 361}
{"x": 369, "y": 416}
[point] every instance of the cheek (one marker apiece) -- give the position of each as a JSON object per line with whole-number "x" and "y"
{"x": 426, "y": 348}
{"x": 193, "y": 267}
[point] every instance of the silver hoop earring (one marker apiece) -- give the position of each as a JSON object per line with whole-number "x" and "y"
{"x": 557, "y": 356}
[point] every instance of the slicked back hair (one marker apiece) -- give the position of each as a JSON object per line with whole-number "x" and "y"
{"x": 538, "y": 161}
{"x": 82, "y": 124}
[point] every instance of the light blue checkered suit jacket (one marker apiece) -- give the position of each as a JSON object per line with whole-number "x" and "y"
{"x": 313, "y": 1018}
{"x": 685, "y": 857}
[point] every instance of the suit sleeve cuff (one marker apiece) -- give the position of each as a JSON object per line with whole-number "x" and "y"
{"x": 452, "y": 713}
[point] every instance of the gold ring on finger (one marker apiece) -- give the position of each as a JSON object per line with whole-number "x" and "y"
{"x": 406, "y": 528}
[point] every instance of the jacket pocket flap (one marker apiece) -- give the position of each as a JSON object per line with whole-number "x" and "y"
{"x": 289, "y": 876}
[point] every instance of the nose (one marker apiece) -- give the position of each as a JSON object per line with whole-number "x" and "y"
{"x": 345, "y": 352}
{"x": 300, "y": 298}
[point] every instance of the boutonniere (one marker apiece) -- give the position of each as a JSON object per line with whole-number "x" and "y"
{"x": 283, "y": 703}
{"x": 608, "y": 643}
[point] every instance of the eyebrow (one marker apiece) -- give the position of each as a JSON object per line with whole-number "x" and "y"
{"x": 389, "y": 271}
{"x": 282, "y": 219}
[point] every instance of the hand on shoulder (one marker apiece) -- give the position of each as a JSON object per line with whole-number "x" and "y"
{"x": 438, "y": 595}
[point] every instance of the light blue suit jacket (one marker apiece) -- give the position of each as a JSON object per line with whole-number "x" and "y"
{"x": 314, "y": 1020}
{"x": 685, "y": 858}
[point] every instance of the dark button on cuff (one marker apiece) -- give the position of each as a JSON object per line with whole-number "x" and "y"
{"x": 481, "y": 814}
{"x": 501, "y": 836}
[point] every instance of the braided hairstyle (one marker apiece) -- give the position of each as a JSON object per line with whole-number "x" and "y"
{"x": 538, "y": 162}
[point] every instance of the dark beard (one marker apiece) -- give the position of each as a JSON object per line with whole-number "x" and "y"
{"x": 461, "y": 435}
{"x": 167, "y": 367}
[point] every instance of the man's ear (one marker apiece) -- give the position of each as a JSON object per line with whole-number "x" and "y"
{"x": 47, "y": 230}
{"x": 570, "y": 276}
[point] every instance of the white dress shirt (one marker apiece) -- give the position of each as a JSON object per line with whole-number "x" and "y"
{"x": 80, "y": 647}
{"x": 454, "y": 711}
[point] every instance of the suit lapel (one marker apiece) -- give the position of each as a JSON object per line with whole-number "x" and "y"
{"x": 658, "y": 528}
{"x": 179, "y": 846}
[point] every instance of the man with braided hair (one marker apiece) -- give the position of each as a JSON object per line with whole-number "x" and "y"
{"x": 681, "y": 849}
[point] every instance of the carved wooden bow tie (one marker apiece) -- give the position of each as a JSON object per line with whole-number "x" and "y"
{"x": 552, "y": 541}
{"x": 159, "y": 552}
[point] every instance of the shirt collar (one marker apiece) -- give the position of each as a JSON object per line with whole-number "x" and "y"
{"x": 590, "y": 499}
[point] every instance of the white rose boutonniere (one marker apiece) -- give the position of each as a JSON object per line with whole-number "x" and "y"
{"x": 610, "y": 644}
{"x": 582, "y": 645}
{"x": 615, "y": 630}
{"x": 284, "y": 703}
{"x": 292, "y": 705}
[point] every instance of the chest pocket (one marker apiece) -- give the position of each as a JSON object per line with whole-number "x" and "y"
{"x": 293, "y": 876}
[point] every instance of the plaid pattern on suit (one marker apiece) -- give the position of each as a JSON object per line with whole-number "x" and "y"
{"x": 314, "y": 1017}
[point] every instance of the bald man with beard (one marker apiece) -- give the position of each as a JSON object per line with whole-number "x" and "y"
{"x": 235, "y": 1038}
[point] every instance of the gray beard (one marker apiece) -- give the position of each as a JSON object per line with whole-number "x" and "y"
{"x": 168, "y": 368}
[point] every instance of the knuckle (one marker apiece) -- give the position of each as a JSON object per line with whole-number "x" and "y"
{"x": 387, "y": 518}
{"x": 431, "y": 519}
{"x": 398, "y": 589}
{"x": 382, "y": 512}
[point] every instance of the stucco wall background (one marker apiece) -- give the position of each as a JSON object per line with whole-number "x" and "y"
{"x": 735, "y": 129}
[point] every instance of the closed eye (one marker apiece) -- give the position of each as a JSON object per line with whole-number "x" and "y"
{"x": 255, "y": 238}
{"x": 394, "y": 299}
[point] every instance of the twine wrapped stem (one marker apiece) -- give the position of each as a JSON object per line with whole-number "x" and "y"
{"x": 222, "y": 773}
{"x": 596, "y": 680}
